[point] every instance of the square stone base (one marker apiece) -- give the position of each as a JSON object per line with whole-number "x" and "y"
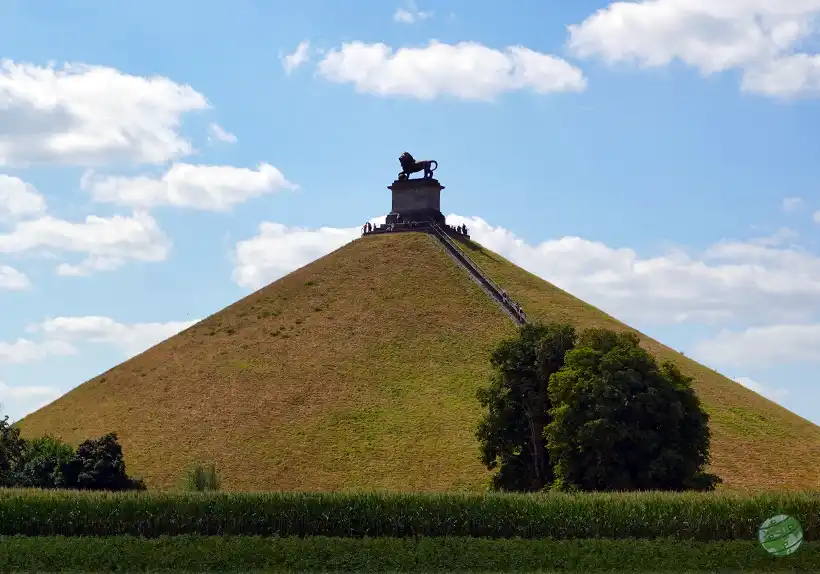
{"x": 416, "y": 200}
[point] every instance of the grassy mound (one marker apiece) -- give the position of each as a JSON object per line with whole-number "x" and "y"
{"x": 359, "y": 371}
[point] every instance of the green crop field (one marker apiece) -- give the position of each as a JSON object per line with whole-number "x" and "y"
{"x": 163, "y": 531}
{"x": 321, "y": 554}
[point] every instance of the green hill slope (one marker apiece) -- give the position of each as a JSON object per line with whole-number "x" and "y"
{"x": 359, "y": 371}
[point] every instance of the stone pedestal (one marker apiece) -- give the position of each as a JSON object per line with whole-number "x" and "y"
{"x": 416, "y": 200}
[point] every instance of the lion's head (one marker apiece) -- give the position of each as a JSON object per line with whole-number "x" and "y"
{"x": 406, "y": 160}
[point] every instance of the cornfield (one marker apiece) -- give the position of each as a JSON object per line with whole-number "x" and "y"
{"x": 687, "y": 516}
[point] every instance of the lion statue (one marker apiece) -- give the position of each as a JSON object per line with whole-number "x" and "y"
{"x": 410, "y": 165}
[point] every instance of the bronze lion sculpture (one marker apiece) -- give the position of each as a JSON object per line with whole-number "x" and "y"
{"x": 410, "y": 165}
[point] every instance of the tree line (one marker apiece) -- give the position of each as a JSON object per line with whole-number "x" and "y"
{"x": 590, "y": 411}
{"x": 47, "y": 462}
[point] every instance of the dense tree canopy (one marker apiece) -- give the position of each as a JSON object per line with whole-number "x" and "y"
{"x": 46, "y": 462}
{"x": 517, "y": 403}
{"x": 620, "y": 422}
{"x": 592, "y": 412}
{"x": 12, "y": 449}
{"x": 99, "y": 465}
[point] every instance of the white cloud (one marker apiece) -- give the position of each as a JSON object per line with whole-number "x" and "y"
{"x": 791, "y": 204}
{"x": 816, "y": 217}
{"x": 131, "y": 339}
{"x": 277, "y": 250}
{"x": 12, "y": 279}
{"x": 7, "y": 391}
{"x": 779, "y": 238}
{"x": 90, "y": 115}
{"x": 730, "y": 282}
{"x": 88, "y": 266}
{"x": 60, "y": 335}
{"x": 296, "y": 58}
{"x": 216, "y": 132}
{"x": 16, "y": 401}
{"x": 466, "y": 70}
{"x": 106, "y": 241}
{"x": 411, "y": 14}
{"x": 767, "y": 345}
{"x": 762, "y": 38}
{"x": 206, "y": 187}
{"x": 26, "y": 351}
{"x": 773, "y": 394}
{"x": 19, "y": 199}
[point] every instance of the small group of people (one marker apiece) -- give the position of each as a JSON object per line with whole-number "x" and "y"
{"x": 515, "y": 306}
{"x": 370, "y": 228}
{"x": 462, "y": 229}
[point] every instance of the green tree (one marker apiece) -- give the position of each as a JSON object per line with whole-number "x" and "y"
{"x": 99, "y": 465}
{"x": 619, "y": 422}
{"x": 44, "y": 464}
{"x": 517, "y": 403}
{"x": 12, "y": 450}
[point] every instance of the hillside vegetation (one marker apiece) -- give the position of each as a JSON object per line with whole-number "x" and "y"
{"x": 359, "y": 371}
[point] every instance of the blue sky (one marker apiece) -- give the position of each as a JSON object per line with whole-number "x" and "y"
{"x": 657, "y": 159}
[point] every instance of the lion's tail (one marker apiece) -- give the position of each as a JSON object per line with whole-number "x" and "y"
{"x": 433, "y": 165}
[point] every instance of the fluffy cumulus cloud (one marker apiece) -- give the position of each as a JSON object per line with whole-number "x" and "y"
{"x": 296, "y": 58}
{"x": 90, "y": 115}
{"x": 131, "y": 339}
{"x": 105, "y": 242}
{"x": 278, "y": 249}
{"x": 466, "y": 70}
{"x": 728, "y": 283}
{"x": 206, "y": 187}
{"x": 64, "y": 336}
{"x": 762, "y": 38}
{"x": 763, "y": 346}
{"x": 17, "y": 400}
{"x": 19, "y": 199}
{"x": 12, "y": 279}
{"x": 27, "y": 351}
{"x": 410, "y": 14}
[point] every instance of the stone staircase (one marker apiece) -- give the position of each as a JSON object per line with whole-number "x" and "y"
{"x": 475, "y": 272}
{"x": 463, "y": 260}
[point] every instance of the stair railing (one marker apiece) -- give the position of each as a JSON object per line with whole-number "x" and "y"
{"x": 475, "y": 269}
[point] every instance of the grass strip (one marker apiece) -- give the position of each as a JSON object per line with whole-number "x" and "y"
{"x": 218, "y": 553}
{"x": 688, "y": 516}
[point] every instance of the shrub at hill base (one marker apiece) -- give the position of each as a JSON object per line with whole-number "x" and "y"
{"x": 199, "y": 478}
{"x": 46, "y": 462}
{"x": 590, "y": 412}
